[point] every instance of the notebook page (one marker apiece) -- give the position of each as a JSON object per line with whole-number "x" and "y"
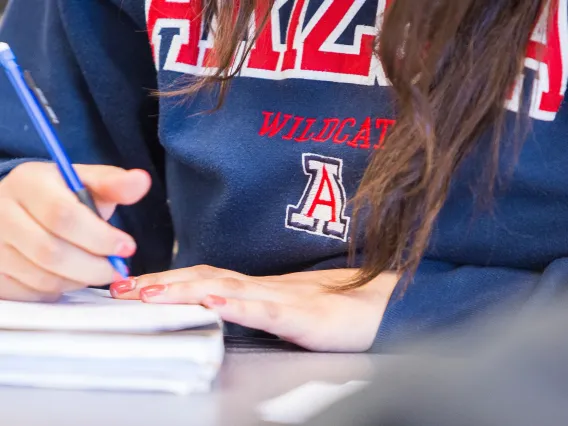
{"x": 200, "y": 347}
{"x": 95, "y": 311}
{"x": 179, "y": 378}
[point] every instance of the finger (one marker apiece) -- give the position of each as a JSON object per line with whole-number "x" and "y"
{"x": 59, "y": 211}
{"x": 48, "y": 252}
{"x": 12, "y": 289}
{"x": 65, "y": 217}
{"x": 114, "y": 185}
{"x": 109, "y": 185}
{"x": 327, "y": 278}
{"x": 286, "y": 321}
{"x": 195, "y": 292}
{"x": 130, "y": 289}
{"x": 29, "y": 275}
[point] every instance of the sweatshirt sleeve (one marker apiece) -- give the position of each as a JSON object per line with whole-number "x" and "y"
{"x": 92, "y": 61}
{"x": 443, "y": 297}
{"x": 18, "y": 142}
{"x": 34, "y": 31}
{"x": 57, "y": 43}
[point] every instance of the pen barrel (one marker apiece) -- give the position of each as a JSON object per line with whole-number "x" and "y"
{"x": 86, "y": 198}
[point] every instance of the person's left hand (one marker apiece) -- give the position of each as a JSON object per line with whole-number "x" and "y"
{"x": 295, "y": 307}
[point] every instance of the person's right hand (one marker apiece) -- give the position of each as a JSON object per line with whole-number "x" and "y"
{"x": 50, "y": 243}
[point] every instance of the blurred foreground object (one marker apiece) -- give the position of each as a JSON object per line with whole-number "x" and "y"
{"x": 517, "y": 375}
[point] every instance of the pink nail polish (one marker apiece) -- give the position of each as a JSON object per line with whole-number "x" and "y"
{"x": 125, "y": 249}
{"x": 211, "y": 301}
{"x": 153, "y": 291}
{"x": 122, "y": 287}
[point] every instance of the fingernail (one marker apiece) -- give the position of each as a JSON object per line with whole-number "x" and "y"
{"x": 125, "y": 249}
{"x": 153, "y": 291}
{"x": 212, "y": 301}
{"x": 122, "y": 287}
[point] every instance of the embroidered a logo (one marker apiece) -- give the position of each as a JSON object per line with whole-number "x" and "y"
{"x": 321, "y": 210}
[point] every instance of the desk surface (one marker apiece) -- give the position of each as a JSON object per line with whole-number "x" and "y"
{"x": 254, "y": 371}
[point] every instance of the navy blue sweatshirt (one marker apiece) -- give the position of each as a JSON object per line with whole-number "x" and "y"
{"x": 261, "y": 186}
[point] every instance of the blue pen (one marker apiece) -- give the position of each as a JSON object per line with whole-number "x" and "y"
{"x": 47, "y": 134}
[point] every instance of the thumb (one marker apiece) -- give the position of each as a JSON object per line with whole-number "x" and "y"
{"x": 111, "y": 186}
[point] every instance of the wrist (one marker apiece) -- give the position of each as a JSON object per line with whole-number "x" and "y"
{"x": 377, "y": 295}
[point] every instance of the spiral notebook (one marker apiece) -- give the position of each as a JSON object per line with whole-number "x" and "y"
{"x": 88, "y": 340}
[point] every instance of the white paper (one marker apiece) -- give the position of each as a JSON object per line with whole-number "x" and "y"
{"x": 199, "y": 348}
{"x": 95, "y": 311}
{"x": 132, "y": 375}
{"x": 304, "y": 402}
{"x": 88, "y": 340}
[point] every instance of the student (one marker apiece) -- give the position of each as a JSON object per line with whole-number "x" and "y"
{"x": 256, "y": 193}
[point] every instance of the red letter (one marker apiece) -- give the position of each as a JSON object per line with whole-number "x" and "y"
{"x": 547, "y": 59}
{"x": 297, "y": 122}
{"x": 275, "y": 126}
{"x": 294, "y": 30}
{"x": 263, "y": 56}
{"x": 303, "y": 137}
{"x": 364, "y": 134}
{"x": 186, "y": 17}
{"x": 351, "y": 122}
{"x": 329, "y": 127}
{"x": 551, "y": 55}
{"x": 354, "y": 60}
{"x": 318, "y": 201}
{"x": 386, "y": 124}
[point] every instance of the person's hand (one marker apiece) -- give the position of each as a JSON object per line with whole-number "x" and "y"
{"x": 50, "y": 243}
{"x": 296, "y": 307}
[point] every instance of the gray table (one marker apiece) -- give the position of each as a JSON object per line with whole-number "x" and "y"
{"x": 254, "y": 371}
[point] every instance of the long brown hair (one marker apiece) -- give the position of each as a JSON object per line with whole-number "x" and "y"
{"x": 452, "y": 64}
